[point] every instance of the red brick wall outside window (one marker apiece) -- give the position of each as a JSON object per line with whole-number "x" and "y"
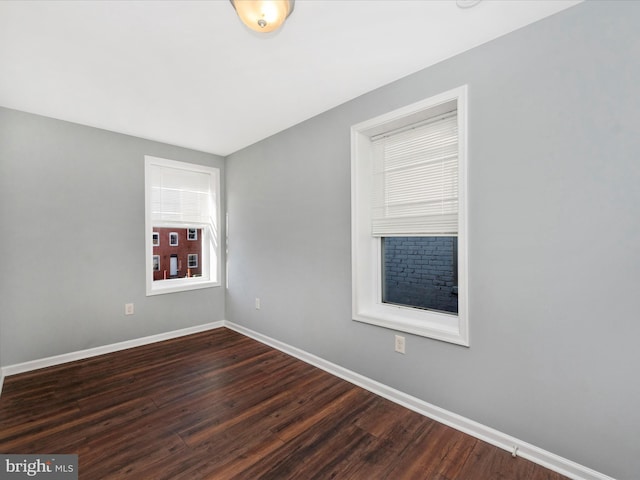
{"x": 182, "y": 250}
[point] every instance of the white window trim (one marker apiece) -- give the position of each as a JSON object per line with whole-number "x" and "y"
{"x": 155, "y": 239}
{"x": 195, "y": 234}
{"x": 366, "y": 250}
{"x": 183, "y": 284}
{"x": 189, "y": 256}
{"x": 176, "y": 236}
{"x": 159, "y": 263}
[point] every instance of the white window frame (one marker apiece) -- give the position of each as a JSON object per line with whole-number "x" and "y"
{"x": 173, "y": 235}
{"x": 211, "y": 236}
{"x": 156, "y": 239}
{"x": 189, "y": 257}
{"x": 153, "y": 265}
{"x": 367, "y": 302}
{"x": 195, "y": 234}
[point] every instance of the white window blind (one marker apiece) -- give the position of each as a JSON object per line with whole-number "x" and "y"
{"x": 415, "y": 180}
{"x": 180, "y": 196}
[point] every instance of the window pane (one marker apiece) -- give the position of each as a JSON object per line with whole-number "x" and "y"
{"x": 178, "y": 257}
{"x": 421, "y": 272}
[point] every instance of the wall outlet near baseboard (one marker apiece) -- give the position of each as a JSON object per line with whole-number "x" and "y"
{"x": 400, "y": 344}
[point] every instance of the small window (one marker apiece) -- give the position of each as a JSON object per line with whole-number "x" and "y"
{"x": 182, "y": 205}
{"x": 409, "y": 222}
{"x": 173, "y": 239}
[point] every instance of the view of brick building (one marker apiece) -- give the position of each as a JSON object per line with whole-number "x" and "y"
{"x": 421, "y": 272}
{"x": 177, "y": 253}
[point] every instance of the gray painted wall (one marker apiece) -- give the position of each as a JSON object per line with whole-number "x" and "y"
{"x": 554, "y": 240}
{"x": 72, "y": 216}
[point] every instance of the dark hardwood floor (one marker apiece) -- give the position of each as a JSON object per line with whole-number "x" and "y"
{"x": 218, "y": 405}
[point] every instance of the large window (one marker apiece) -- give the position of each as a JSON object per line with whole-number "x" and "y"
{"x": 182, "y": 226}
{"x": 409, "y": 219}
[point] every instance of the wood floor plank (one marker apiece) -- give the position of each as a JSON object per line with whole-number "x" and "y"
{"x": 218, "y": 405}
{"x": 487, "y": 462}
{"x": 319, "y": 446}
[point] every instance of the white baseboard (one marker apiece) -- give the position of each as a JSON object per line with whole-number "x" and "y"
{"x": 522, "y": 449}
{"x": 93, "y": 352}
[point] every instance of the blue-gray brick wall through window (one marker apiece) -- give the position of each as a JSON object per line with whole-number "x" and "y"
{"x": 421, "y": 272}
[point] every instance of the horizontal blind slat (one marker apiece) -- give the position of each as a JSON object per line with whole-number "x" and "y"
{"x": 415, "y": 181}
{"x": 180, "y": 196}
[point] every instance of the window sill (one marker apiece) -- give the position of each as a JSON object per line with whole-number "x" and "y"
{"x": 179, "y": 285}
{"x": 429, "y": 324}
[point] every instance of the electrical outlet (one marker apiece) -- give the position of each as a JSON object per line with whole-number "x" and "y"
{"x": 128, "y": 309}
{"x": 400, "y": 344}
{"x": 257, "y": 303}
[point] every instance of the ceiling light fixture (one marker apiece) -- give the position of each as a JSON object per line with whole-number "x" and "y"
{"x": 467, "y": 3}
{"x": 263, "y": 15}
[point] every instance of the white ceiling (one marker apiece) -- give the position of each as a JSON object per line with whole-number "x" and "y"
{"x": 189, "y": 73}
